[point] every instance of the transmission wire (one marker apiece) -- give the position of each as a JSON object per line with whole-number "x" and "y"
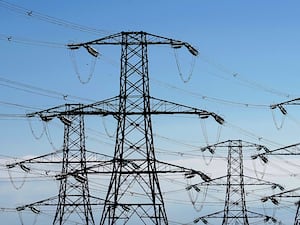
{"x": 43, "y": 17}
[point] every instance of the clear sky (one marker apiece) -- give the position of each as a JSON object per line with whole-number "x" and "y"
{"x": 249, "y": 59}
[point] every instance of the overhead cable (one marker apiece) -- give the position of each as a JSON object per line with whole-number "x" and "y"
{"x": 243, "y": 79}
{"x": 37, "y": 90}
{"x": 49, "y": 19}
{"x": 208, "y": 98}
{"x": 27, "y": 41}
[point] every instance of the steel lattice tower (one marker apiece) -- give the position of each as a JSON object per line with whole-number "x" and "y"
{"x": 235, "y": 211}
{"x": 73, "y": 198}
{"x": 134, "y": 141}
{"x": 134, "y": 195}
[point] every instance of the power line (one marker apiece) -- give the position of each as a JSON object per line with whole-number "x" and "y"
{"x": 49, "y": 19}
{"x": 245, "y": 81}
{"x": 39, "y": 91}
{"x": 26, "y": 41}
{"x": 209, "y": 98}
{"x": 19, "y": 105}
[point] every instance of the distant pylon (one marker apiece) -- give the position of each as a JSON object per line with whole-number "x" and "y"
{"x": 235, "y": 208}
{"x": 235, "y": 205}
{"x": 73, "y": 199}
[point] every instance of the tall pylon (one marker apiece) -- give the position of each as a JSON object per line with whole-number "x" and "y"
{"x": 134, "y": 141}
{"x": 134, "y": 194}
{"x": 235, "y": 208}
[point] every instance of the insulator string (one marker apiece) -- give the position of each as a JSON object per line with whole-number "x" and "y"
{"x": 190, "y": 74}
{"x": 278, "y": 125}
{"x": 106, "y": 130}
{"x": 256, "y": 171}
{"x": 37, "y": 137}
{"x": 47, "y": 132}
{"x": 22, "y": 182}
{"x": 78, "y": 74}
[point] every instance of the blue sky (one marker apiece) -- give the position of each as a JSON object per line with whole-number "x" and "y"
{"x": 249, "y": 53}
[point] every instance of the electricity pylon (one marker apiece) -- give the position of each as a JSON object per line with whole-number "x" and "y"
{"x": 134, "y": 137}
{"x": 290, "y": 150}
{"x": 74, "y": 189}
{"x": 235, "y": 209}
{"x": 73, "y": 201}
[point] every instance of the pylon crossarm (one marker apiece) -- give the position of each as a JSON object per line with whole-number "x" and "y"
{"x": 295, "y": 101}
{"x": 110, "y": 107}
{"x": 202, "y": 219}
{"x": 285, "y": 194}
{"x": 251, "y": 214}
{"x": 48, "y": 114}
{"x": 248, "y": 180}
{"x": 136, "y": 166}
{"x": 220, "y": 215}
{"x": 99, "y": 167}
{"x": 54, "y": 158}
{"x": 286, "y": 150}
{"x": 281, "y": 105}
{"x": 26, "y": 165}
{"x": 117, "y": 39}
{"x": 213, "y": 182}
{"x": 52, "y": 201}
{"x": 222, "y": 181}
{"x": 164, "y": 167}
{"x": 105, "y": 107}
{"x": 224, "y": 144}
{"x": 159, "y": 106}
{"x": 38, "y": 159}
